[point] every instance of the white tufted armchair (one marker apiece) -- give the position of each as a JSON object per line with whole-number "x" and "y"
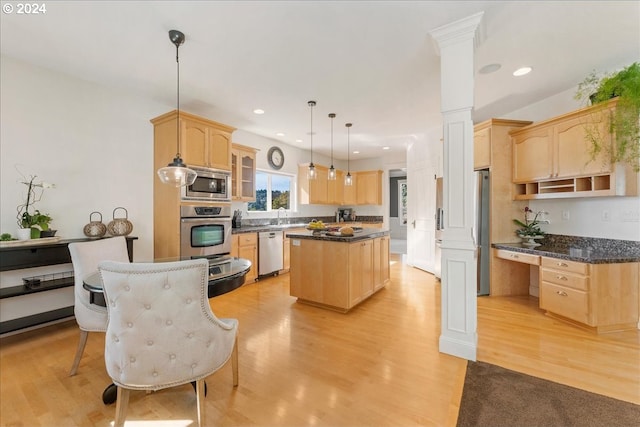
{"x": 85, "y": 257}
{"x": 161, "y": 331}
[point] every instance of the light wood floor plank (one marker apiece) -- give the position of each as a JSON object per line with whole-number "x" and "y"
{"x": 300, "y": 365}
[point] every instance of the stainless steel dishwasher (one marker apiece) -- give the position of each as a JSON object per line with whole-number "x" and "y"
{"x": 270, "y": 252}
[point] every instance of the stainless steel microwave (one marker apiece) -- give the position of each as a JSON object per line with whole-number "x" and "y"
{"x": 210, "y": 185}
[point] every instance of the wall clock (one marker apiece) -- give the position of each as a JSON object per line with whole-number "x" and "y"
{"x": 275, "y": 157}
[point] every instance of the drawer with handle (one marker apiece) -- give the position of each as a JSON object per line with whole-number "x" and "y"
{"x": 247, "y": 239}
{"x": 564, "y": 265}
{"x": 562, "y": 278}
{"x": 518, "y": 257}
{"x": 567, "y": 302}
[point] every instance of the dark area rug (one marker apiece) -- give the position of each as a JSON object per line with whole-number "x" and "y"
{"x": 495, "y": 397}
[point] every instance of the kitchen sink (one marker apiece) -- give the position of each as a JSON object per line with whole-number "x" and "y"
{"x": 287, "y": 225}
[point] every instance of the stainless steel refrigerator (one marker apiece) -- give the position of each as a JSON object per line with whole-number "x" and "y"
{"x": 480, "y": 228}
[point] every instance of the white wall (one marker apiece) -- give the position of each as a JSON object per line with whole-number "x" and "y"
{"x": 586, "y": 215}
{"x": 93, "y": 142}
{"x": 96, "y": 144}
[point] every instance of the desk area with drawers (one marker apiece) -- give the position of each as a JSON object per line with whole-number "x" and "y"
{"x": 593, "y": 283}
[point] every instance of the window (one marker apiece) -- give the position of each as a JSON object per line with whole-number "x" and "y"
{"x": 273, "y": 191}
{"x": 402, "y": 201}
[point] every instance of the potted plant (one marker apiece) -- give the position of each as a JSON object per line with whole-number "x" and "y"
{"x": 38, "y": 223}
{"x": 35, "y": 222}
{"x": 625, "y": 121}
{"x": 529, "y": 229}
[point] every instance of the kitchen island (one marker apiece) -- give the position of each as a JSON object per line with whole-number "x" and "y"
{"x": 338, "y": 272}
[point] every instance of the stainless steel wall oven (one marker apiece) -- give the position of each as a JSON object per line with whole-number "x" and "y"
{"x": 205, "y": 231}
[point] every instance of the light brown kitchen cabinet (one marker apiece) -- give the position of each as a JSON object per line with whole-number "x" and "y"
{"x": 532, "y": 155}
{"x": 245, "y": 245}
{"x": 366, "y": 188}
{"x": 380, "y": 262}
{"x": 337, "y": 275}
{"x": 603, "y": 297}
{"x": 552, "y": 158}
{"x": 286, "y": 253}
{"x": 243, "y": 173}
{"x": 318, "y": 272}
{"x": 482, "y": 148}
{"x": 492, "y": 140}
{"x": 335, "y": 189}
{"x": 198, "y": 136}
{"x": 369, "y": 188}
{"x": 360, "y": 271}
{"x": 235, "y": 243}
{"x": 558, "y": 149}
{"x": 349, "y": 196}
{"x": 312, "y": 191}
{"x": 203, "y": 142}
{"x": 286, "y": 248}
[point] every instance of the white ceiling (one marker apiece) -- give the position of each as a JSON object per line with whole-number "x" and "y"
{"x": 372, "y": 63}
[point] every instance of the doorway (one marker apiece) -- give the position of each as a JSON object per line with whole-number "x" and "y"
{"x": 398, "y": 194}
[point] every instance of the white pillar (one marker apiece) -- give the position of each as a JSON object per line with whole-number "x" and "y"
{"x": 456, "y": 43}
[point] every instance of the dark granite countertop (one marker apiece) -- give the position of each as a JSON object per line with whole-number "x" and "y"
{"x": 285, "y": 227}
{"x": 364, "y": 234}
{"x": 581, "y": 249}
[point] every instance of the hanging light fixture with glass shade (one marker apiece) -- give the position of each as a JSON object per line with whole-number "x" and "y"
{"x": 177, "y": 173}
{"x": 348, "y": 180}
{"x": 332, "y": 170}
{"x": 311, "y": 174}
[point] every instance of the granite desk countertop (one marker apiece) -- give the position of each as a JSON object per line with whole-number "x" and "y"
{"x": 581, "y": 249}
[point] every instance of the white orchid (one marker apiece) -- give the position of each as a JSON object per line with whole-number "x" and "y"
{"x": 25, "y": 218}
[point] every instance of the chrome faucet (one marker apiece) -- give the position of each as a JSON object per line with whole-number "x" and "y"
{"x": 281, "y": 209}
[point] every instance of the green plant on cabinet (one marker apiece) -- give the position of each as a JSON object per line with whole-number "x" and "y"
{"x": 625, "y": 121}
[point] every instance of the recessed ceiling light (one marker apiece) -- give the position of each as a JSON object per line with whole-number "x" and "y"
{"x": 356, "y": 152}
{"x": 258, "y": 111}
{"x": 279, "y": 134}
{"x": 491, "y": 68}
{"x": 522, "y": 71}
{"x": 385, "y": 148}
{"x": 298, "y": 140}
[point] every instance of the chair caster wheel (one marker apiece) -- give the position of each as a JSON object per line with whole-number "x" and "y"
{"x": 110, "y": 394}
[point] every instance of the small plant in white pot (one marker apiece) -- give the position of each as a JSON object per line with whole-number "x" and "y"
{"x": 529, "y": 229}
{"x": 31, "y": 222}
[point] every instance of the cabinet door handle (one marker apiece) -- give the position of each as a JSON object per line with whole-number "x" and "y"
{"x": 562, "y": 264}
{"x": 562, "y": 293}
{"x": 561, "y": 277}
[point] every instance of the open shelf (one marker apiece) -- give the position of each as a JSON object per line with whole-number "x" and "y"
{"x": 586, "y": 186}
{"x": 34, "y": 284}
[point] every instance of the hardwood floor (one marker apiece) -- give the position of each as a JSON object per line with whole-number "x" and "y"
{"x": 300, "y": 365}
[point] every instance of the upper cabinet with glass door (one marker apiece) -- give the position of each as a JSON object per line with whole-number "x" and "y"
{"x": 243, "y": 173}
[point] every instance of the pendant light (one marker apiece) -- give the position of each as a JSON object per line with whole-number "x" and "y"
{"x": 177, "y": 173}
{"x": 332, "y": 170}
{"x": 311, "y": 174}
{"x": 347, "y": 179}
